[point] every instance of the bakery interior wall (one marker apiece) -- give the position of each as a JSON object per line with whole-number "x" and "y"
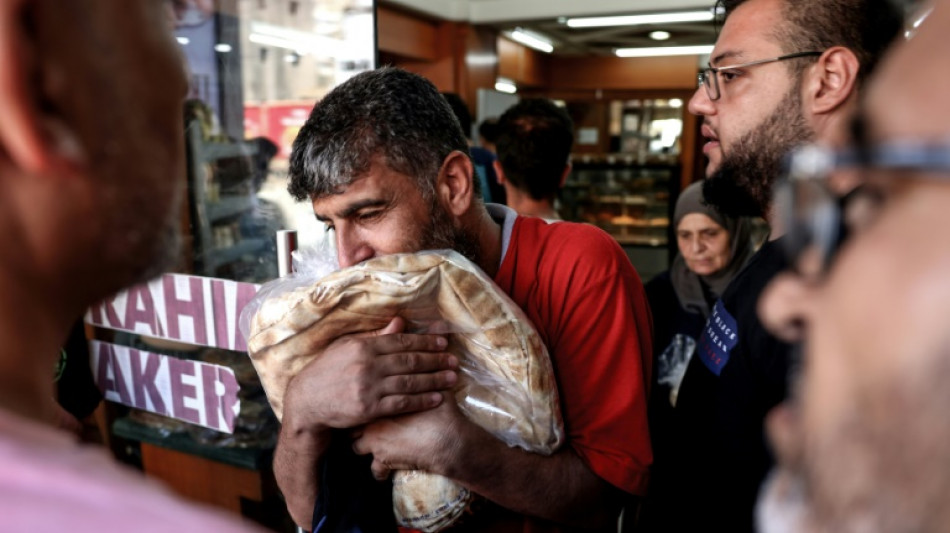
{"x": 599, "y": 92}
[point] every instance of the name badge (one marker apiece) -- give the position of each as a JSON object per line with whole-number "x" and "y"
{"x": 718, "y": 339}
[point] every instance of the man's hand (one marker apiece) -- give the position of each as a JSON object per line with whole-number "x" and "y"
{"x": 560, "y": 487}
{"x": 358, "y": 379}
{"x": 428, "y": 440}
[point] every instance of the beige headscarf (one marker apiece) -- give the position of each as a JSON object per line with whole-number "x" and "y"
{"x": 687, "y": 284}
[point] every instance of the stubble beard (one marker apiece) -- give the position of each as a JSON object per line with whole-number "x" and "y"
{"x": 742, "y": 185}
{"x": 441, "y": 232}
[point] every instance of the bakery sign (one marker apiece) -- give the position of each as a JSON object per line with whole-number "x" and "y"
{"x": 199, "y": 393}
{"x": 181, "y": 308}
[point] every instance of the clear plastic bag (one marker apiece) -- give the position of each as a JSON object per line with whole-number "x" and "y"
{"x": 506, "y": 383}
{"x": 673, "y": 362}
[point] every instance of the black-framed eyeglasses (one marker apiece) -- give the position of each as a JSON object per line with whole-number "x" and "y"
{"x": 815, "y": 218}
{"x": 709, "y": 76}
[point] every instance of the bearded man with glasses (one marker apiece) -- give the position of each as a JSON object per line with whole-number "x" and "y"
{"x": 782, "y": 73}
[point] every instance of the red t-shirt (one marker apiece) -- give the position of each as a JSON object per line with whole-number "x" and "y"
{"x": 579, "y": 289}
{"x": 588, "y": 304}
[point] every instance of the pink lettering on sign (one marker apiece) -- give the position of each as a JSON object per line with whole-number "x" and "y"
{"x": 216, "y": 403}
{"x": 111, "y": 317}
{"x": 145, "y": 381}
{"x": 193, "y": 306}
{"x": 182, "y": 308}
{"x": 195, "y": 392}
{"x": 144, "y": 314}
{"x": 178, "y": 369}
{"x": 109, "y": 375}
{"x": 226, "y": 331}
{"x": 218, "y": 300}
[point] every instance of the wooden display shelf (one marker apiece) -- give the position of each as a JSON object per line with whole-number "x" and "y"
{"x": 239, "y": 480}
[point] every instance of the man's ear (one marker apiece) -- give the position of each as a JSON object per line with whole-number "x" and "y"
{"x": 454, "y": 186}
{"x": 831, "y": 81}
{"x": 33, "y": 141}
{"x": 499, "y": 172}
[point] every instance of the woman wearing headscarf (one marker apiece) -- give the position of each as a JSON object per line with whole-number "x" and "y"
{"x": 712, "y": 250}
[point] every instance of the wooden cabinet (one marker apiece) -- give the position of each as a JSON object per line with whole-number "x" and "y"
{"x": 238, "y": 480}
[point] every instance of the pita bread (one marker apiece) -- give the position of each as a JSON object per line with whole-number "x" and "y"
{"x": 506, "y": 383}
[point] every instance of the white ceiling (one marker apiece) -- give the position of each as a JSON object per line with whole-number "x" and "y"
{"x": 494, "y": 11}
{"x": 544, "y": 17}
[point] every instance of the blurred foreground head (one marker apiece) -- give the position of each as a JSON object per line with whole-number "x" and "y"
{"x": 92, "y": 147}
{"x": 865, "y": 444}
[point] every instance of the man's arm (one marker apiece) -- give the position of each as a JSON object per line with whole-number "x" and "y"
{"x": 296, "y": 460}
{"x": 559, "y": 487}
{"x": 356, "y": 380}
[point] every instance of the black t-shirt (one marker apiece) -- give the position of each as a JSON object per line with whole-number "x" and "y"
{"x": 738, "y": 374}
{"x": 669, "y": 317}
{"x": 671, "y": 322}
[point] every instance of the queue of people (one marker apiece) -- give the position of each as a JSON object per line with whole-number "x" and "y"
{"x": 812, "y": 369}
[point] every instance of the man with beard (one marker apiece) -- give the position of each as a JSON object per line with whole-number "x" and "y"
{"x": 385, "y": 166}
{"x": 864, "y": 442}
{"x": 91, "y": 164}
{"x": 783, "y": 72}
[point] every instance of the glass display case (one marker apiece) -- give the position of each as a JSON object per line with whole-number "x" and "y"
{"x": 627, "y": 182}
{"x": 631, "y": 202}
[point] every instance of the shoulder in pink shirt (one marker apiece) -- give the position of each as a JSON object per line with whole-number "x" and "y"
{"x": 48, "y": 482}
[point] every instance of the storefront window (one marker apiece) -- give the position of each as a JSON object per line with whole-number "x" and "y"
{"x": 256, "y": 69}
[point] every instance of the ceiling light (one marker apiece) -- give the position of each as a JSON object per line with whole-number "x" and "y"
{"x": 183, "y": 40}
{"x": 222, "y": 47}
{"x": 639, "y": 20}
{"x": 659, "y": 35}
{"x": 533, "y": 40}
{"x": 505, "y": 85}
{"x": 664, "y": 51}
{"x": 294, "y": 40}
{"x": 481, "y": 60}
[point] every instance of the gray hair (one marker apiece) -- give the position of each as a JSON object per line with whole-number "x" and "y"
{"x": 386, "y": 113}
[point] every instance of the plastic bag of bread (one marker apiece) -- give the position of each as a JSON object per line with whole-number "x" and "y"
{"x": 506, "y": 383}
